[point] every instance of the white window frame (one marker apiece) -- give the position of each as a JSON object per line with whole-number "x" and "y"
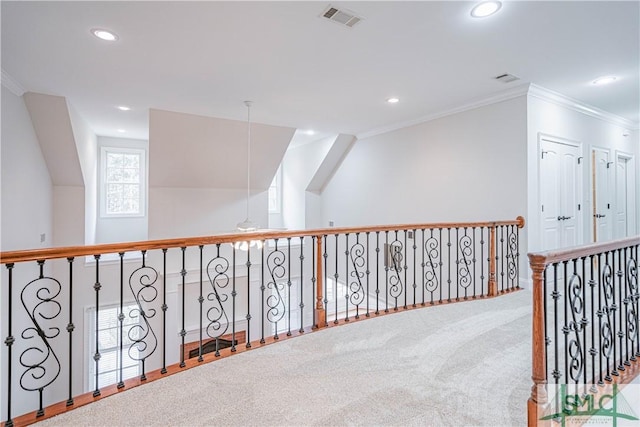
{"x": 103, "y": 181}
{"x": 90, "y": 349}
{"x": 277, "y": 184}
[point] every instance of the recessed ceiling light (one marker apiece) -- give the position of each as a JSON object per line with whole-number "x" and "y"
{"x": 393, "y": 100}
{"x": 486, "y": 8}
{"x": 104, "y": 34}
{"x": 310, "y": 132}
{"x": 123, "y": 108}
{"x": 604, "y": 80}
{"x": 122, "y": 130}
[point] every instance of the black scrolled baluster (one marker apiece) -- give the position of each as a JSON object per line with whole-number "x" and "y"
{"x": 405, "y": 270}
{"x": 415, "y": 237}
{"x": 346, "y": 276}
{"x": 631, "y": 279}
{"x": 314, "y": 293}
{"x": 512, "y": 249}
{"x": 355, "y": 289}
{"x": 556, "y": 343}
{"x": 433, "y": 274}
{"x": 121, "y": 321}
{"x": 482, "y": 262}
{"x": 275, "y": 302}
{"x": 423, "y": 280}
{"x": 574, "y": 291}
{"x": 288, "y": 286}
{"x": 593, "y": 350}
{"x": 248, "y": 316}
{"x": 614, "y": 309}
{"x": 216, "y": 314}
{"x": 457, "y": 264}
{"x": 397, "y": 255}
{"x": 386, "y": 271}
{"x": 335, "y": 282}
{"x": 368, "y": 273}
{"x": 608, "y": 340}
{"x": 565, "y": 328}
{"x": 621, "y": 324}
{"x": 301, "y": 305}
{"x": 200, "y": 307}
{"x": 626, "y": 308}
{"x": 377, "y": 272}
{"x": 502, "y": 257}
{"x": 600, "y": 314}
{"x": 96, "y": 356}
{"x": 584, "y": 322}
{"x": 164, "y": 311}
{"x": 183, "y": 332}
{"x": 636, "y": 296}
{"x": 517, "y": 257}
{"x": 233, "y": 297}
{"x": 449, "y": 264}
{"x": 473, "y": 260}
{"x": 9, "y": 342}
{"x": 463, "y": 261}
{"x": 144, "y": 340}
{"x": 325, "y": 256}
{"x": 70, "y": 329}
{"x": 263, "y": 287}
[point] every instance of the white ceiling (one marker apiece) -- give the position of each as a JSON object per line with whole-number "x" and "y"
{"x": 305, "y": 72}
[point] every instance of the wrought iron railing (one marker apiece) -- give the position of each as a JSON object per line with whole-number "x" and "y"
{"x": 585, "y": 328}
{"x": 167, "y": 299}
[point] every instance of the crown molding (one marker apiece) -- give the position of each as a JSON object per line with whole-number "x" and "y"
{"x": 580, "y": 107}
{"x": 12, "y": 84}
{"x": 477, "y": 103}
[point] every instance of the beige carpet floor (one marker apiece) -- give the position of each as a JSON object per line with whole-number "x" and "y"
{"x": 465, "y": 364}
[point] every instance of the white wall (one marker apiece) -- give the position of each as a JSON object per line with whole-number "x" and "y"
{"x": 26, "y": 210}
{"x": 190, "y": 212}
{"x": 86, "y": 143}
{"x": 470, "y": 166}
{"x": 26, "y": 185}
{"x": 556, "y": 119}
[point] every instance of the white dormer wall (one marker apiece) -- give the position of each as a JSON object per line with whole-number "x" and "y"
{"x": 198, "y": 172}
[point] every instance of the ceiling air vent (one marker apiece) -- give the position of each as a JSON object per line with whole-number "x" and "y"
{"x": 341, "y": 16}
{"x": 506, "y": 78}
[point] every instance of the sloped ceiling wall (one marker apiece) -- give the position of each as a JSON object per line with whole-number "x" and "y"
{"x": 51, "y": 122}
{"x": 189, "y": 151}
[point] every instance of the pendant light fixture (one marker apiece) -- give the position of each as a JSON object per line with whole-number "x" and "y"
{"x": 247, "y": 225}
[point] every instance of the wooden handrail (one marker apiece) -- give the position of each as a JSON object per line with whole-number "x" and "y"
{"x": 550, "y": 257}
{"x": 77, "y": 251}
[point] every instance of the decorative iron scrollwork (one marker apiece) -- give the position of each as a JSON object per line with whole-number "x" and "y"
{"x": 512, "y": 255}
{"x": 41, "y": 363}
{"x": 356, "y": 254}
{"x": 431, "y": 247}
{"x": 143, "y": 339}
{"x": 396, "y": 257}
{"x": 217, "y": 272}
{"x": 277, "y": 271}
{"x": 634, "y": 296}
{"x": 575, "y": 326}
{"x": 606, "y": 346}
{"x": 465, "y": 247}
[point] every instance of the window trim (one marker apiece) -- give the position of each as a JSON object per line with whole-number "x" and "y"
{"x": 102, "y": 193}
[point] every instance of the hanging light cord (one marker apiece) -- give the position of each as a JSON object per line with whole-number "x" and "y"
{"x": 248, "y": 104}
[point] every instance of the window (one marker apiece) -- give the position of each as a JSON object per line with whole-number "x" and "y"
{"x": 123, "y": 182}
{"x": 109, "y": 345}
{"x": 275, "y": 193}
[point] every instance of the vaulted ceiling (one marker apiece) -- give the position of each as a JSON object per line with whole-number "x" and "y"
{"x": 303, "y": 71}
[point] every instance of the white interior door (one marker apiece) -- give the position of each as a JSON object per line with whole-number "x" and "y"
{"x": 625, "y": 197}
{"x": 560, "y": 187}
{"x": 602, "y": 195}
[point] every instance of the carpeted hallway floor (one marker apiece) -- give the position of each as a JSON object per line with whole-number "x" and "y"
{"x": 464, "y": 364}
